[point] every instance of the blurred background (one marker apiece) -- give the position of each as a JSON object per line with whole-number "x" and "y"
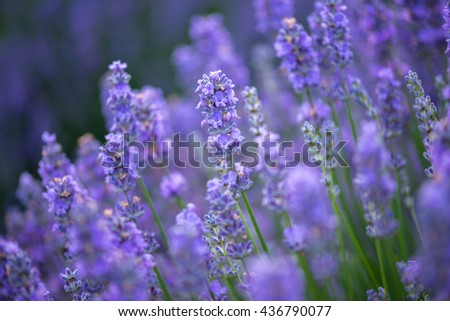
{"x": 54, "y": 53}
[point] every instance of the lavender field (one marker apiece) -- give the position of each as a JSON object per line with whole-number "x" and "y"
{"x": 282, "y": 150}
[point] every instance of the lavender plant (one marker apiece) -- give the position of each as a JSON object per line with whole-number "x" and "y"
{"x": 311, "y": 216}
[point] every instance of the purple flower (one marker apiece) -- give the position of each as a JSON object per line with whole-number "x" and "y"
{"x": 410, "y": 274}
{"x": 61, "y": 193}
{"x": 331, "y": 33}
{"x": 298, "y": 57}
{"x": 120, "y": 100}
{"x": 132, "y": 211}
{"x": 54, "y": 162}
{"x": 375, "y": 182}
{"x": 19, "y": 280}
{"x": 275, "y": 279}
{"x": 212, "y": 48}
{"x": 393, "y": 112}
{"x": 433, "y": 204}
{"x": 119, "y": 163}
{"x": 376, "y": 33}
{"x": 379, "y": 295}
{"x": 270, "y": 13}
{"x": 446, "y": 26}
{"x": 89, "y": 172}
{"x": 253, "y": 106}
{"x": 149, "y": 109}
{"x": 172, "y": 185}
{"x": 295, "y": 238}
{"x": 218, "y": 106}
{"x": 439, "y": 151}
{"x": 425, "y": 113}
{"x": 190, "y": 253}
{"x": 188, "y": 216}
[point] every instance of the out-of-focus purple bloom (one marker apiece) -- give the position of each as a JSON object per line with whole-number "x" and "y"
{"x": 253, "y": 106}
{"x": 295, "y": 237}
{"x": 190, "y": 252}
{"x": 379, "y": 295}
{"x": 393, "y": 112}
{"x": 375, "y": 182}
{"x": 433, "y": 204}
{"x": 273, "y": 194}
{"x": 149, "y": 108}
{"x": 410, "y": 274}
{"x": 311, "y": 209}
{"x": 275, "y": 279}
{"x": 360, "y": 95}
{"x": 172, "y": 185}
{"x": 19, "y": 280}
{"x": 270, "y": 13}
{"x": 316, "y": 113}
{"x": 298, "y": 56}
{"x": 89, "y": 172}
{"x": 421, "y": 18}
{"x": 274, "y": 88}
{"x": 212, "y": 49}
{"x": 215, "y": 292}
{"x": 331, "y": 33}
{"x": 54, "y": 163}
{"x": 425, "y": 113}
{"x": 446, "y": 26}
{"x": 225, "y": 229}
{"x": 439, "y": 151}
{"x": 188, "y": 216}
{"x": 375, "y": 33}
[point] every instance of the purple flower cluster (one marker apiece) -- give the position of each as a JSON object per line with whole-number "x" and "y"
{"x": 218, "y": 107}
{"x": 322, "y": 211}
{"x": 19, "y": 280}
{"x": 212, "y": 48}
{"x": 331, "y": 33}
{"x": 270, "y": 13}
{"x": 298, "y": 57}
{"x": 375, "y": 183}
{"x": 425, "y": 113}
{"x": 393, "y": 112}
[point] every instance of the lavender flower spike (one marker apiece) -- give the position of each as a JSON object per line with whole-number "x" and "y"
{"x": 373, "y": 179}
{"x": 425, "y": 113}
{"x": 295, "y": 48}
{"x": 331, "y": 33}
{"x": 446, "y": 26}
{"x": 218, "y": 106}
{"x": 270, "y": 13}
{"x": 19, "y": 280}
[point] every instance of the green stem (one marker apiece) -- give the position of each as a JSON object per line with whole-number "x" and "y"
{"x": 180, "y": 202}
{"x": 346, "y": 264}
{"x": 351, "y": 233}
{"x": 247, "y": 228}
{"x": 162, "y": 284}
{"x": 153, "y": 210}
{"x": 304, "y": 265}
{"x": 254, "y": 222}
{"x": 416, "y": 223}
{"x": 348, "y": 109}
{"x": 400, "y": 215}
{"x": 380, "y": 262}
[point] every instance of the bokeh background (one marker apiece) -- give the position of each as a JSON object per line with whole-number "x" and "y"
{"x": 53, "y": 54}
